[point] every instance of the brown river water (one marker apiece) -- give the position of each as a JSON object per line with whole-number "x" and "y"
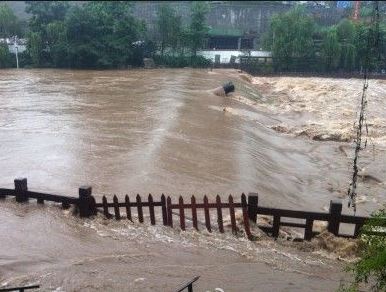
{"x": 159, "y": 131}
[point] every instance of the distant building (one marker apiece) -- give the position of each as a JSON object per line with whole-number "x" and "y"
{"x": 237, "y": 25}
{"x": 15, "y": 43}
{"x": 225, "y": 56}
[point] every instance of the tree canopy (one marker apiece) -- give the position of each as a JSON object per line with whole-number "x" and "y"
{"x": 97, "y": 34}
{"x": 290, "y": 36}
{"x": 103, "y": 34}
{"x": 198, "y": 28}
{"x": 169, "y": 27}
{"x": 9, "y": 24}
{"x": 296, "y": 41}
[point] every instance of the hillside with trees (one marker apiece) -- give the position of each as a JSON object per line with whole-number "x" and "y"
{"x": 108, "y": 35}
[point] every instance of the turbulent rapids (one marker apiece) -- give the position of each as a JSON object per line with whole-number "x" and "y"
{"x": 164, "y": 131}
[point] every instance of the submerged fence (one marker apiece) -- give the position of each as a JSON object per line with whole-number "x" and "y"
{"x": 87, "y": 206}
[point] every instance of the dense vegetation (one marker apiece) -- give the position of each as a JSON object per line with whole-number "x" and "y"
{"x": 298, "y": 43}
{"x": 176, "y": 39}
{"x": 9, "y": 24}
{"x": 102, "y": 34}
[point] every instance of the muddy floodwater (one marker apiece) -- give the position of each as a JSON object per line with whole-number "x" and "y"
{"x": 160, "y": 131}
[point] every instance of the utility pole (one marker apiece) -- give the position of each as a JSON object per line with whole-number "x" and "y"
{"x": 17, "y": 52}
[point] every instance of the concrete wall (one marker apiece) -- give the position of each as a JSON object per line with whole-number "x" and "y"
{"x": 20, "y": 48}
{"x": 225, "y": 56}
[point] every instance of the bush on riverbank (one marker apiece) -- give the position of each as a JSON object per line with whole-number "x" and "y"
{"x": 182, "y": 61}
{"x": 105, "y": 35}
{"x": 372, "y": 264}
{"x": 5, "y": 57}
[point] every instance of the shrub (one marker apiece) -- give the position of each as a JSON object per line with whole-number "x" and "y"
{"x": 372, "y": 264}
{"x": 5, "y": 57}
{"x": 182, "y": 61}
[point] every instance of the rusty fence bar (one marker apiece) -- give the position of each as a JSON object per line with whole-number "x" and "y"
{"x": 249, "y": 206}
{"x": 138, "y": 204}
{"x": 206, "y": 207}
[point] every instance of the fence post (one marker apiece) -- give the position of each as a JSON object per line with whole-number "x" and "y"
{"x": 245, "y": 216}
{"x": 117, "y": 212}
{"x": 207, "y": 215}
{"x": 357, "y": 229}
{"x": 335, "y": 212}
{"x": 182, "y": 212}
{"x": 219, "y": 214}
{"x": 232, "y": 214}
{"x": 164, "y": 213}
{"x": 139, "y": 208}
{"x": 194, "y": 212}
{"x": 253, "y": 201}
{"x": 169, "y": 211}
{"x": 128, "y": 207}
{"x": 151, "y": 210}
{"x": 308, "y": 230}
{"x": 20, "y": 189}
{"x": 85, "y": 202}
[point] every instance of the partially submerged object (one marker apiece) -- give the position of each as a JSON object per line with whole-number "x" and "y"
{"x": 228, "y": 87}
{"x": 225, "y": 89}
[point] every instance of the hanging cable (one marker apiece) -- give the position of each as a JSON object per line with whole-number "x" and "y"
{"x": 372, "y": 49}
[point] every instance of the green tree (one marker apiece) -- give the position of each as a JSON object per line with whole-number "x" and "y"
{"x": 198, "y": 29}
{"x": 370, "y": 46}
{"x": 330, "y": 50}
{"x": 58, "y": 43}
{"x": 118, "y": 31}
{"x": 83, "y": 31}
{"x": 44, "y": 12}
{"x": 95, "y": 34}
{"x": 101, "y": 34}
{"x": 44, "y": 46}
{"x": 169, "y": 27}
{"x": 35, "y": 47}
{"x": 291, "y": 37}
{"x": 5, "y": 56}
{"x": 9, "y": 24}
{"x": 361, "y": 40}
{"x": 346, "y": 35}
